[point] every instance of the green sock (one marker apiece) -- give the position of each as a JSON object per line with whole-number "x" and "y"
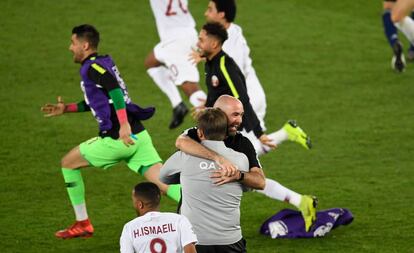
{"x": 174, "y": 192}
{"x": 74, "y": 185}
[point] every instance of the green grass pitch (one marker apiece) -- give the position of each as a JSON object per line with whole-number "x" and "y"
{"x": 324, "y": 63}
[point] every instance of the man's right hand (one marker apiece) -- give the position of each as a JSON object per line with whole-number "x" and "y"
{"x": 51, "y": 110}
{"x": 195, "y": 57}
{"x": 228, "y": 168}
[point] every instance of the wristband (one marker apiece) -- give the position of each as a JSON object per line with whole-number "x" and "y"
{"x": 71, "y": 107}
{"x": 122, "y": 116}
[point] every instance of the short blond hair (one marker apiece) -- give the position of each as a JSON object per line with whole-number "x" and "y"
{"x": 213, "y": 123}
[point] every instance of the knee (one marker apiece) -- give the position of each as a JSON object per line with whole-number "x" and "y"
{"x": 189, "y": 88}
{"x": 66, "y": 162}
{"x": 147, "y": 63}
{"x": 151, "y": 62}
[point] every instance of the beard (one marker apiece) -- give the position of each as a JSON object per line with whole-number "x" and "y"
{"x": 232, "y": 131}
{"x": 204, "y": 54}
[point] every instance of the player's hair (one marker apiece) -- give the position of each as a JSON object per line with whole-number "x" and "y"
{"x": 149, "y": 193}
{"x": 228, "y": 7}
{"x": 88, "y": 33}
{"x": 213, "y": 123}
{"x": 216, "y": 30}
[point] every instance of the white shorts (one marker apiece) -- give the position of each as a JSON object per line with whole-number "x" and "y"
{"x": 175, "y": 54}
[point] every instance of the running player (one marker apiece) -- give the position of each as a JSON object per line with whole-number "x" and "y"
{"x": 168, "y": 63}
{"x": 402, "y": 21}
{"x": 406, "y": 25}
{"x": 122, "y": 137}
{"x": 224, "y": 12}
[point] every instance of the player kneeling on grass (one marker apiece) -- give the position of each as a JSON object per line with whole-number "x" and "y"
{"x": 119, "y": 122}
{"x": 154, "y": 231}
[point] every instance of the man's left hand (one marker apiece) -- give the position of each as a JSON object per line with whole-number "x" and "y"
{"x": 264, "y": 139}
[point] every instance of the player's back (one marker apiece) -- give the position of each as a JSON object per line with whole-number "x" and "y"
{"x": 213, "y": 210}
{"x": 173, "y": 18}
{"x": 157, "y": 232}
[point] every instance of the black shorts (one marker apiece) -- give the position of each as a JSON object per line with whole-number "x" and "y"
{"x": 238, "y": 247}
{"x": 390, "y": 1}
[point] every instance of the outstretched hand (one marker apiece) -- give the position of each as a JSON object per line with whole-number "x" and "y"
{"x": 51, "y": 110}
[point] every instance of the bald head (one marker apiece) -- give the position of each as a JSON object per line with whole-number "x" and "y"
{"x": 233, "y": 109}
{"x": 225, "y": 101}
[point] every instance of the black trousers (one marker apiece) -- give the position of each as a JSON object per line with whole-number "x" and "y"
{"x": 238, "y": 247}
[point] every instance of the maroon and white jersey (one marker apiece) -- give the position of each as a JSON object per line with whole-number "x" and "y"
{"x": 173, "y": 18}
{"x": 157, "y": 232}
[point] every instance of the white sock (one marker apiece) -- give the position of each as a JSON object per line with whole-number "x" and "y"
{"x": 160, "y": 75}
{"x": 198, "y": 98}
{"x": 277, "y": 191}
{"x": 279, "y": 136}
{"x": 407, "y": 27}
{"x": 80, "y": 212}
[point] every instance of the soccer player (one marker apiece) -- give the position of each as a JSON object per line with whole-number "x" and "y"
{"x": 168, "y": 63}
{"x": 402, "y": 21}
{"x": 224, "y": 12}
{"x": 213, "y": 209}
{"x": 406, "y": 25}
{"x": 122, "y": 137}
{"x": 401, "y": 10}
{"x": 154, "y": 231}
{"x": 189, "y": 142}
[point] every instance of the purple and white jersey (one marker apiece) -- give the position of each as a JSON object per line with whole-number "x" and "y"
{"x": 97, "y": 97}
{"x": 290, "y": 224}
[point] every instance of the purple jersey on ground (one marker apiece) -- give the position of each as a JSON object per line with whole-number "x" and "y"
{"x": 98, "y": 99}
{"x": 290, "y": 224}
